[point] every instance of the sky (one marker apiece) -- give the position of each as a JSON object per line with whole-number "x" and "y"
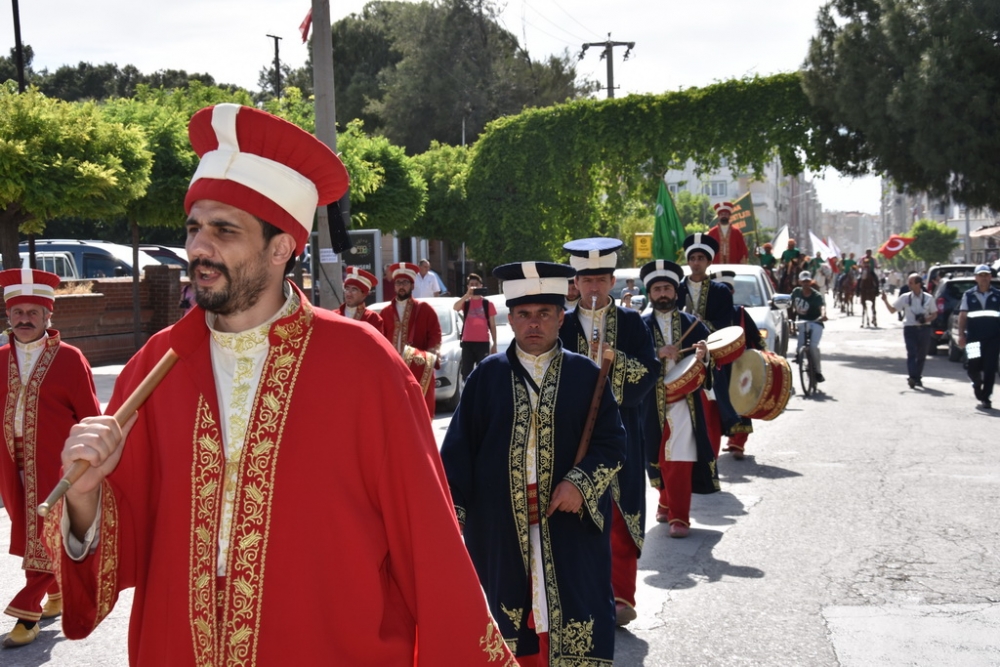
{"x": 678, "y": 43}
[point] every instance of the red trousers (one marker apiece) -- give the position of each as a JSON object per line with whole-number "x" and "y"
{"x": 676, "y": 492}
{"x": 540, "y": 659}
{"x": 713, "y": 422}
{"x": 738, "y": 441}
{"x": 624, "y": 559}
{"x": 27, "y": 604}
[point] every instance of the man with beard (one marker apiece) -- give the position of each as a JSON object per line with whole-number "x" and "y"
{"x": 545, "y": 561}
{"x": 357, "y": 284}
{"x": 252, "y": 532}
{"x": 598, "y": 324}
{"x": 678, "y": 452}
{"x": 413, "y": 329}
{"x": 49, "y": 388}
{"x": 732, "y": 245}
{"x": 572, "y": 296}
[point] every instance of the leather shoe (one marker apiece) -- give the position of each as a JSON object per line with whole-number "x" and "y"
{"x": 624, "y": 614}
{"x": 911, "y": 382}
{"x": 820, "y": 378}
{"x": 679, "y": 530}
{"x": 977, "y": 389}
{"x": 21, "y": 636}
{"x": 52, "y": 607}
{"x": 662, "y": 515}
{"x": 985, "y": 404}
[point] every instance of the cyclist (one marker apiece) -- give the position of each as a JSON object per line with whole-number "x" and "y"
{"x": 808, "y": 304}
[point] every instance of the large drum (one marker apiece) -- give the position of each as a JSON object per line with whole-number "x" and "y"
{"x": 685, "y": 377}
{"x": 726, "y": 345}
{"x": 760, "y": 385}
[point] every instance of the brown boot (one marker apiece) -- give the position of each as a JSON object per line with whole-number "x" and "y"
{"x": 53, "y": 606}
{"x": 20, "y": 635}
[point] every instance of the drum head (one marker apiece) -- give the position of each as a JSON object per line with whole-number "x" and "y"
{"x": 724, "y": 337}
{"x": 746, "y": 386}
{"x": 680, "y": 369}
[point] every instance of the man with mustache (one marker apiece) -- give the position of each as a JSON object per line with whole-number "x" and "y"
{"x": 49, "y": 388}
{"x": 732, "y": 245}
{"x": 679, "y": 455}
{"x": 253, "y": 532}
{"x": 413, "y": 329}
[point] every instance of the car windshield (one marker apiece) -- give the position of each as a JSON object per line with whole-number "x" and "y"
{"x": 444, "y": 312}
{"x": 747, "y": 292}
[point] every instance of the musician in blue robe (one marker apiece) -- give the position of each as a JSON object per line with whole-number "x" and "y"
{"x": 536, "y": 521}
{"x": 678, "y": 452}
{"x": 597, "y": 322}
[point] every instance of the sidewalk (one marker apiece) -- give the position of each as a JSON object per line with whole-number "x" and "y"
{"x": 104, "y": 380}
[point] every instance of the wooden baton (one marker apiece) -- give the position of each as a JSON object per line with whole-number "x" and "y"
{"x": 122, "y": 415}
{"x": 595, "y": 404}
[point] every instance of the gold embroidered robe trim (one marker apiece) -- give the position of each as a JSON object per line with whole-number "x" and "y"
{"x": 414, "y": 357}
{"x": 661, "y": 389}
{"x": 702, "y": 305}
{"x": 623, "y": 369}
{"x": 36, "y": 558}
{"x": 592, "y": 488}
{"x": 234, "y": 642}
{"x": 107, "y": 549}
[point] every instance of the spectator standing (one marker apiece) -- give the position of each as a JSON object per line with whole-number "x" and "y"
{"x": 426, "y": 283}
{"x": 479, "y": 324}
{"x": 919, "y": 310}
{"x": 979, "y": 322}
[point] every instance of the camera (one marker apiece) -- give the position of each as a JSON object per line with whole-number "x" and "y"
{"x": 921, "y": 318}
{"x": 479, "y": 291}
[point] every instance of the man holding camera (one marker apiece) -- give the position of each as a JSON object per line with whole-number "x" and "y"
{"x": 919, "y": 310}
{"x": 479, "y": 317}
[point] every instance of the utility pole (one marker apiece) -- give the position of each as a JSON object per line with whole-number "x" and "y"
{"x": 607, "y": 53}
{"x": 21, "y": 85}
{"x": 277, "y": 68}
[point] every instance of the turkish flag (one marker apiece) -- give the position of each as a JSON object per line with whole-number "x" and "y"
{"x": 304, "y": 26}
{"x": 893, "y": 245}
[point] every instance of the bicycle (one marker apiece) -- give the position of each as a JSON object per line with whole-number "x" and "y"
{"x": 805, "y": 357}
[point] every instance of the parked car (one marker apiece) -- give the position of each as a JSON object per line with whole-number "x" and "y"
{"x": 939, "y": 272}
{"x": 505, "y": 334}
{"x": 769, "y": 309}
{"x": 621, "y": 275}
{"x": 168, "y": 255}
{"x": 948, "y": 296}
{"x": 92, "y": 259}
{"x": 952, "y": 295}
{"x": 447, "y": 378}
{"x": 58, "y": 262}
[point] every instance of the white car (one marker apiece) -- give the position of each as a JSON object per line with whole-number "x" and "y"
{"x": 447, "y": 378}
{"x": 753, "y": 291}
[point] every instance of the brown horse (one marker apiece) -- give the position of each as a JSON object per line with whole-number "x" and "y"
{"x": 845, "y": 293}
{"x": 868, "y": 290}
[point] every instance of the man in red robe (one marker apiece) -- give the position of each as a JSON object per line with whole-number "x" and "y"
{"x": 357, "y": 284}
{"x": 413, "y": 329}
{"x": 49, "y": 388}
{"x": 254, "y": 533}
{"x": 732, "y": 246}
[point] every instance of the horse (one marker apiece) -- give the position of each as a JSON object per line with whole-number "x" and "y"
{"x": 844, "y": 293}
{"x": 823, "y": 277}
{"x": 868, "y": 290}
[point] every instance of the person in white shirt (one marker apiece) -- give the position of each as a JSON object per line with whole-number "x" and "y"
{"x": 426, "y": 284}
{"x": 919, "y": 310}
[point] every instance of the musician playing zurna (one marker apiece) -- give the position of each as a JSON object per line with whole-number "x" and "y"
{"x": 678, "y": 452}
{"x": 253, "y": 532}
{"x": 535, "y": 513}
{"x": 598, "y": 324}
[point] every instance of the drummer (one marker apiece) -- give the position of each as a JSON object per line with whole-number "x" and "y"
{"x": 740, "y": 431}
{"x": 679, "y": 455}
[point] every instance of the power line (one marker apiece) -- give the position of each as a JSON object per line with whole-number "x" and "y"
{"x": 608, "y": 54}
{"x": 576, "y": 37}
{"x": 573, "y": 18}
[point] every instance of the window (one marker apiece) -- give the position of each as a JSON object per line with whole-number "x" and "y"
{"x": 99, "y": 266}
{"x": 673, "y": 188}
{"x": 715, "y": 189}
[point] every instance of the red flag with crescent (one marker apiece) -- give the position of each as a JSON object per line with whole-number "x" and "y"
{"x": 894, "y": 245}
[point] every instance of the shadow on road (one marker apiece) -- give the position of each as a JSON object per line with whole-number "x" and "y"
{"x": 688, "y": 562}
{"x": 629, "y": 649}
{"x": 39, "y": 652}
{"x": 740, "y": 472}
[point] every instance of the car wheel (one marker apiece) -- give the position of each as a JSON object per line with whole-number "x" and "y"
{"x": 451, "y": 404}
{"x": 954, "y": 351}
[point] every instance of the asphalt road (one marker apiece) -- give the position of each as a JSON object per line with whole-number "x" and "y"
{"x": 862, "y": 528}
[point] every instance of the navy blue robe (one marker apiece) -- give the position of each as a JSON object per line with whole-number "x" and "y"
{"x": 633, "y": 374}
{"x": 484, "y": 460}
{"x": 704, "y": 475}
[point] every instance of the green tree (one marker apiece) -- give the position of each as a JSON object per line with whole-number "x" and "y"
{"x": 933, "y": 242}
{"x": 694, "y": 209}
{"x": 446, "y": 215}
{"x": 908, "y": 88}
{"x": 60, "y": 159}
{"x": 8, "y": 65}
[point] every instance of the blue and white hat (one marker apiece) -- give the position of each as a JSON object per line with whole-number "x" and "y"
{"x": 702, "y": 243}
{"x": 593, "y": 256}
{"x": 661, "y": 269}
{"x": 534, "y": 282}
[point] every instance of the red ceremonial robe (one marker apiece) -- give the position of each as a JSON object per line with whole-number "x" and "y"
{"x": 365, "y": 315}
{"x": 732, "y": 249}
{"x": 418, "y": 340}
{"x": 344, "y": 545}
{"x": 59, "y": 393}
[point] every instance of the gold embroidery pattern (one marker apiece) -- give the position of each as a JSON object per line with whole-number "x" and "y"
{"x": 661, "y": 397}
{"x": 592, "y": 488}
{"x": 518, "y": 465}
{"x": 634, "y": 523}
{"x": 578, "y": 637}
{"x": 107, "y": 585}
{"x": 634, "y": 370}
{"x": 206, "y": 473}
{"x": 245, "y": 568}
{"x": 36, "y": 558}
{"x": 493, "y": 645}
{"x": 513, "y": 614}
{"x": 10, "y": 406}
{"x": 460, "y": 515}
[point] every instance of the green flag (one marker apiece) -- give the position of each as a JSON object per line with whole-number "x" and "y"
{"x": 668, "y": 233}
